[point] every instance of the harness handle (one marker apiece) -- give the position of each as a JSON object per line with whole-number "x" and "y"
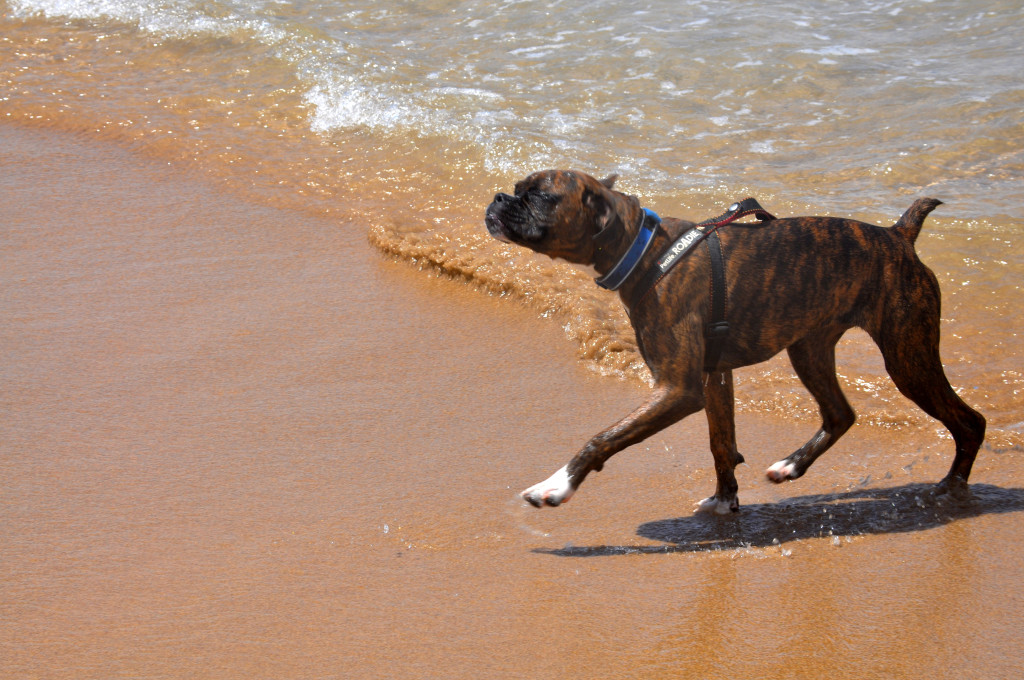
{"x": 748, "y": 206}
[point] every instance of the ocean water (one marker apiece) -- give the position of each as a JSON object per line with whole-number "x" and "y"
{"x": 407, "y": 117}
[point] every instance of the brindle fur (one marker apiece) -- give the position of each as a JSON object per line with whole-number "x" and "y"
{"x": 793, "y": 284}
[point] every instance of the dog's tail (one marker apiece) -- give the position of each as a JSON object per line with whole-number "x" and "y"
{"x": 909, "y": 226}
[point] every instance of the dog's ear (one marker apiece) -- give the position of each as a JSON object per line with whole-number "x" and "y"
{"x": 600, "y": 203}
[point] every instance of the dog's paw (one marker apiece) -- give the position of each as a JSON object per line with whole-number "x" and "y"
{"x": 951, "y": 491}
{"x": 553, "y": 491}
{"x": 718, "y": 506}
{"x": 782, "y": 471}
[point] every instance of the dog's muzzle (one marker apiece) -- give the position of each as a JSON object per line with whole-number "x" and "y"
{"x": 499, "y": 218}
{"x": 495, "y": 227}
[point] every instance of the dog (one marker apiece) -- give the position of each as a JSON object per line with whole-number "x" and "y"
{"x": 794, "y": 284}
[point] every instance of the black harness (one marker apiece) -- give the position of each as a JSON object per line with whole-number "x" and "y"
{"x": 707, "y": 231}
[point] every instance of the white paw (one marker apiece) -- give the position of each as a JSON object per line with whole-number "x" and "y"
{"x": 553, "y": 491}
{"x": 781, "y": 471}
{"x": 717, "y": 506}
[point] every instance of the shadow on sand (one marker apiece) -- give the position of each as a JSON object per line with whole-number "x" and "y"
{"x": 854, "y": 513}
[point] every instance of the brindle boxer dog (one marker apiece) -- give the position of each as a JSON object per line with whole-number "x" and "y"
{"x": 792, "y": 284}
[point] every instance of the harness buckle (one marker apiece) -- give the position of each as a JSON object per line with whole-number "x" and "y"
{"x": 717, "y": 329}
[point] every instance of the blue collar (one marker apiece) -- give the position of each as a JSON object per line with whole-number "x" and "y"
{"x": 614, "y": 279}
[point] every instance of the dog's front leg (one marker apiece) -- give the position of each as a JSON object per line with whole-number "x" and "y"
{"x": 722, "y": 429}
{"x": 668, "y": 405}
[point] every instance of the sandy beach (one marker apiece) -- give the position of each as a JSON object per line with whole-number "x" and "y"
{"x": 238, "y": 442}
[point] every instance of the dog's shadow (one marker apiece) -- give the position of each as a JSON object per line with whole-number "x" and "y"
{"x": 891, "y": 510}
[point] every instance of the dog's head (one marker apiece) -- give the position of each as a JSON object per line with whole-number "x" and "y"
{"x": 558, "y": 213}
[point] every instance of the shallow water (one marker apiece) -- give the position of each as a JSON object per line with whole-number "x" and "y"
{"x": 405, "y": 119}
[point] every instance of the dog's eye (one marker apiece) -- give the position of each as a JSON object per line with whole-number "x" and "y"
{"x": 541, "y": 196}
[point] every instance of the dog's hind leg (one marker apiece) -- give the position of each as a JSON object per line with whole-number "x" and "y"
{"x": 814, "y": 359}
{"x": 718, "y": 393}
{"x": 910, "y": 347}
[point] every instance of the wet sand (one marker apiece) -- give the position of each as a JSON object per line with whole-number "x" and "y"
{"x": 237, "y": 442}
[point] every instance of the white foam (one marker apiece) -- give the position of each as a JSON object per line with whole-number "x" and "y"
{"x": 168, "y": 19}
{"x": 839, "y": 51}
{"x": 471, "y": 92}
{"x": 536, "y": 51}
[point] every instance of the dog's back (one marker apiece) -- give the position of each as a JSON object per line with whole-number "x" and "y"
{"x": 795, "y": 274}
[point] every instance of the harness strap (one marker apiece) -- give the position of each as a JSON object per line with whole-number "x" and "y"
{"x": 718, "y": 329}
{"x": 690, "y": 239}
